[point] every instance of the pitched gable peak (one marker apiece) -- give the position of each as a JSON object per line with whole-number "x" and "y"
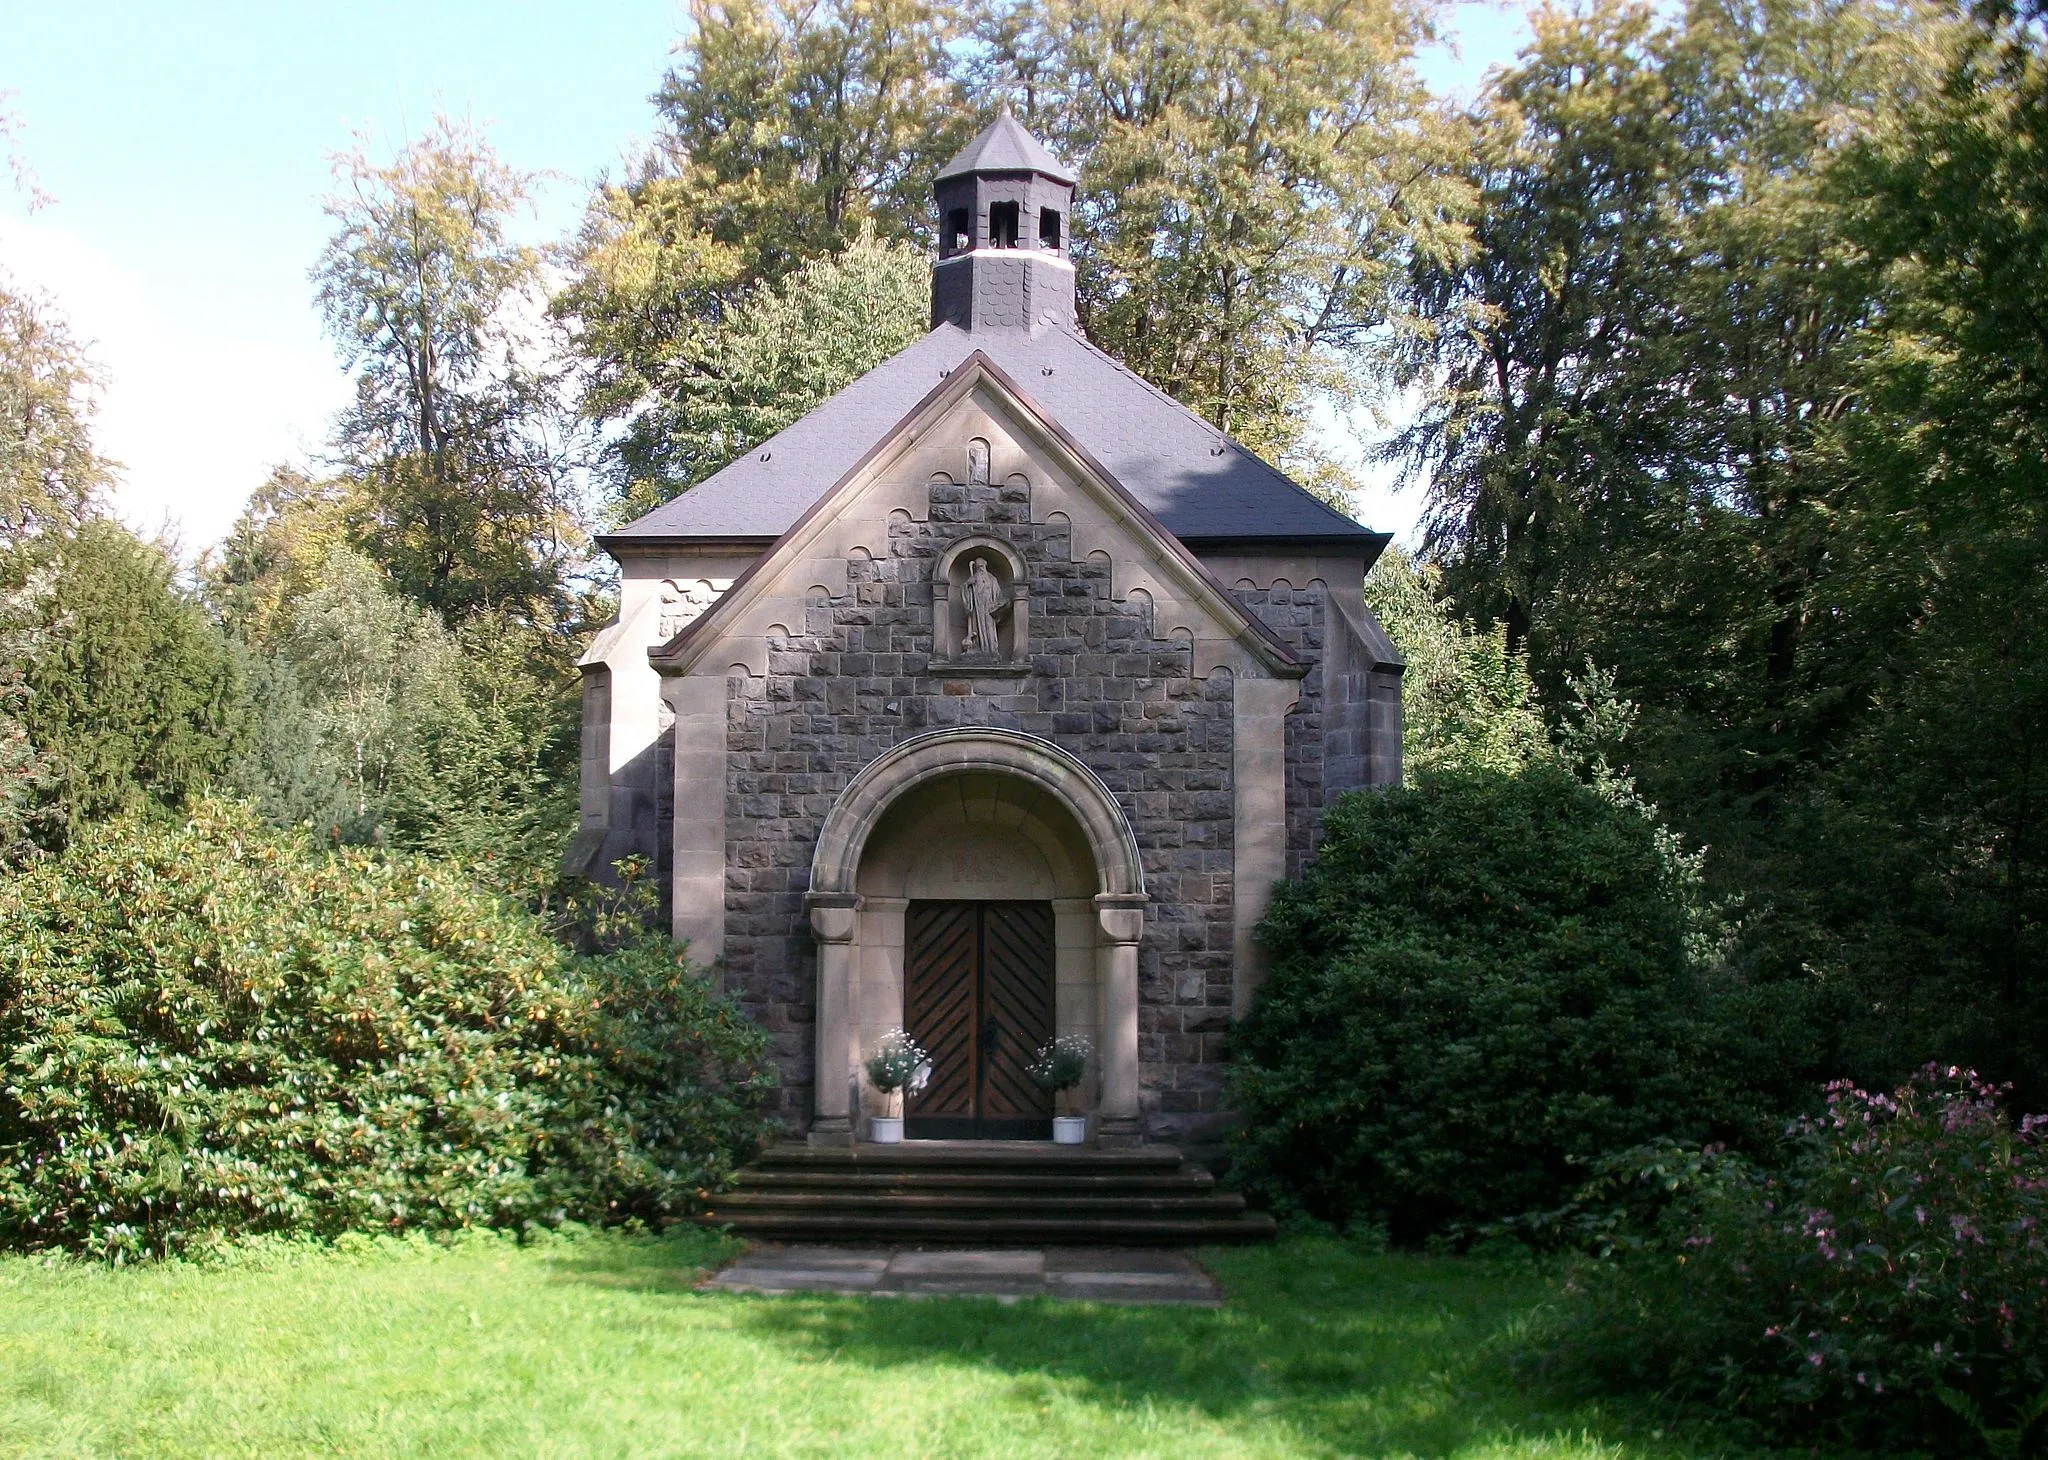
{"x": 1195, "y": 581}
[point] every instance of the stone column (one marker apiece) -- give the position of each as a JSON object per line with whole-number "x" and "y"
{"x": 697, "y": 882}
{"x": 1258, "y": 774}
{"x": 834, "y": 917}
{"x": 1121, "y": 918}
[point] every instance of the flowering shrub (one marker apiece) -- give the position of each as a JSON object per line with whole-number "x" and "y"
{"x": 213, "y": 1030}
{"x": 899, "y": 1063}
{"x": 1888, "y": 1285}
{"x": 1060, "y": 1063}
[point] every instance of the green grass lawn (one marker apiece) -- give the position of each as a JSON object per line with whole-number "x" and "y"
{"x": 600, "y": 1346}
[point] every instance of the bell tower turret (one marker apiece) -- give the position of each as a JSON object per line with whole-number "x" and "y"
{"x": 1005, "y": 210}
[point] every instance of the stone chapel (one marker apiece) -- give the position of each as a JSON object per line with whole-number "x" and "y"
{"x": 988, "y": 700}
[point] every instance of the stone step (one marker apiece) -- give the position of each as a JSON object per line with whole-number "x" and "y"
{"x": 991, "y": 1155}
{"x": 969, "y": 1156}
{"x": 1190, "y": 1180}
{"x": 906, "y": 1229}
{"x": 983, "y": 1193}
{"x": 1036, "y": 1204}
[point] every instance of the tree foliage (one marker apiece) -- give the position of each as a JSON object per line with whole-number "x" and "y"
{"x": 1254, "y": 178}
{"x": 51, "y": 474}
{"x": 1467, "y": 700}
{"x": 1735, "y": 396}
{"x": 130, "y": 689}
{"x": 375, "y": 722}
{"x": 789, "y": 133}
{"x": 779, "y": 350}
{"x": 463, "y": 493}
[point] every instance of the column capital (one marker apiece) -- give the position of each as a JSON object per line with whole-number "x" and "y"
{"x": 832, "y": 915}
{"x": 1121, "y": 915}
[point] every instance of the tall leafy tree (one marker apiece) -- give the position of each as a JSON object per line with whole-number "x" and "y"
{"x": 51, "y": 474}
{"x": 1551, "y": 416}
{"x": 778, "y": 351}
{"x": 789, "y": 132}
{"x": 465, "y": 497}
{"x": 1634, "y": 369}
{"x": 1927, "y": 851}
{"x": 1255, "y": 177}
{"x": 276, "y": 551}
{"x": 793, "y": 124}
{"x": 1467, "y": 701}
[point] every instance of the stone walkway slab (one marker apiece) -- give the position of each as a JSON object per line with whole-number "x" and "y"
{"x": 1091, "y": 1274}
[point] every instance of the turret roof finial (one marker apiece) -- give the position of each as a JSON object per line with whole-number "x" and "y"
{"x": 1004, "y": 146}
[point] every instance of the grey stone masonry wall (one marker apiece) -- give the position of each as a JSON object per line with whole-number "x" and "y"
{"x": 858, "y": 678}
{"x": 1299, "y": 617}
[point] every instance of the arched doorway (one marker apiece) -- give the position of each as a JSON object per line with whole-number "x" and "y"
{"x": 985, "y": 885}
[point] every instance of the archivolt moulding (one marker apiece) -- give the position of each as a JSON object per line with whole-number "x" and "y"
{"x": 959, "y": 751}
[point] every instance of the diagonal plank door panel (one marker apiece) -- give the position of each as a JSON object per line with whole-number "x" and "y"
{"x": 941, "y": 952}
{"x": 978, "y": 995}
{"x": 1017, "y": 995}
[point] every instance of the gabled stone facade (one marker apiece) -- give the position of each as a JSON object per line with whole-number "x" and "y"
{"x": 805, "y": 735}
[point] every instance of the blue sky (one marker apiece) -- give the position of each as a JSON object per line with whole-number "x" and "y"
{"x": 186, "y": 147}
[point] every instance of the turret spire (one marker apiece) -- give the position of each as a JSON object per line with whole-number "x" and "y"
{"x": 1004, "y": 205}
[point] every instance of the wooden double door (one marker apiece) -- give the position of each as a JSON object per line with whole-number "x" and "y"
{"x": 978, "y": 995}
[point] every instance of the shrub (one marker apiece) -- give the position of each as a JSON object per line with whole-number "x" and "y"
{"x": 1483, "y": 979}
{"x": 212, "y": 1030}
{"x": 1887, "y": 1285}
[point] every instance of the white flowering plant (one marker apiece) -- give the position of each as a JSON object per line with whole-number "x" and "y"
{"x": 899, "y": 1065}
{"x": 1060, "y": 1063}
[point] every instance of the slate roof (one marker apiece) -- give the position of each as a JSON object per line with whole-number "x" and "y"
{"x": 1204, "y": 488}
{"x": 1004, "y": 146}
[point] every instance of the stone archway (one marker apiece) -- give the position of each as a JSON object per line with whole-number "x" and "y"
{"x": 1066, "y": 833}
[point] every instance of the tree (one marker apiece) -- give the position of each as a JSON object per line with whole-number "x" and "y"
{"x": 795, "y": 124}
{"x": 1925, "y": 850}
{"x": 789, "y": 133}
{"x": 464, "y": 493}
{"x": 275, "y": 552}
{"x": 1466, "y": 698}
{"x": 377, "y": 723}
{"x": 780, "y": 350}
{"x": 370, "y": 667}
{"x": 1255, "y": 177}
{"x": 130, "y": 688}
{"x": 31, "y": 780}
{"x": 489, "y": 778}
{"x": 50, "y": 473}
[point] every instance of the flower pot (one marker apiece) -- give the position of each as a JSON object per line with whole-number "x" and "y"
{"x": 885, "y": 1130}
{"x": 1069, "y": 1130}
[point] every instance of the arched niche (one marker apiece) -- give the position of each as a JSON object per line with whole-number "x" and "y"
{"x": 950, "y": 573}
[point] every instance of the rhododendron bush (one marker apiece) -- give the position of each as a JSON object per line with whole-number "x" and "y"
{"x": 213, "y": 1030}
{"x": 1886, "y": 1285}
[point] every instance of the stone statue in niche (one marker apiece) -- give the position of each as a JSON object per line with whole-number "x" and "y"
{"x": 982, "y": 595}
{"x": 977, "y": 463}
{"x": 981, "y": 608}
